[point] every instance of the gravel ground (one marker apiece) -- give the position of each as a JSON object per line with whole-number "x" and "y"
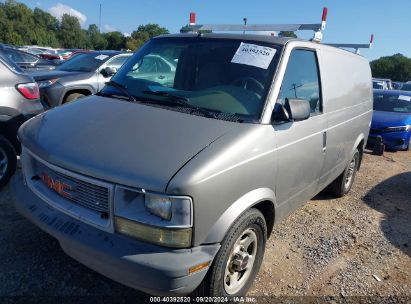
{"x": 357, "y": 247}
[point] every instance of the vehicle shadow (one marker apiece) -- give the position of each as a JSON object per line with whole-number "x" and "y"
{"x": 393, "y": 198}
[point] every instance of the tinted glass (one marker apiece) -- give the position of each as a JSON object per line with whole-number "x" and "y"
{"x": 117, "y": 62}
{"x": 87, "y": 62}
{"x": 9, "y": 63}
{"x": 14, "y": 56}
{"x": 301, "y": 79}
{"x": 392, "y": 103}
{"x": 406, "y": 87}
{"x": 202, "y": 72}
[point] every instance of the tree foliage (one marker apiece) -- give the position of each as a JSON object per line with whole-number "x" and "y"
{"x": 20, "y": 25}
{"x": 70, "y": 33}
{"x": 396, "y": 67}
{"x": 143, "y": 34}
{"x": 287, "y": 34}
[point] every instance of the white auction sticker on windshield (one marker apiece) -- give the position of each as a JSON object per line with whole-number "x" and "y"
{"x": 403, "y": 97}
{"x": 254, "y": 55}
{"x": 101, "y": 57}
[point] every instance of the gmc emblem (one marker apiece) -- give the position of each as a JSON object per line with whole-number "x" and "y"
{"x": 56, "y": 185}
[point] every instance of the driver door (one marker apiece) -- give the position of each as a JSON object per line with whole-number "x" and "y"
{"x": 300, "y": 145}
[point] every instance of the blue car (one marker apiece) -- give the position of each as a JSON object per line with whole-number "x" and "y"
{"x": 391, "y": 119}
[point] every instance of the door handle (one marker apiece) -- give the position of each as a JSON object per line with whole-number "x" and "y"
{"x": 161, "y": 77}
{"x": 324, "y": 141}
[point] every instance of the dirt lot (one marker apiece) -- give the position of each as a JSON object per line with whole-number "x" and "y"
{"x": 358, "y": 246}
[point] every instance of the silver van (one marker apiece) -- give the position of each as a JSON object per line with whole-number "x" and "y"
{"x": 174, "y": 187}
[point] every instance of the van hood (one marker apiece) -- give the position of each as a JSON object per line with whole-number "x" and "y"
{"x": 121, "y": 142}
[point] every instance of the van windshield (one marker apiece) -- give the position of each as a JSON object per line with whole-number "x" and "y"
{"x": 392, "y": 103}
{"x": 225, "y": 78}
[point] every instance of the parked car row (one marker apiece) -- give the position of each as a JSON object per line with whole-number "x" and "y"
{"x": 82, "y": 75}
{"x": 30, "y": 84}
{"x": 26, "y": 61}
{"x": 387, "y": 84}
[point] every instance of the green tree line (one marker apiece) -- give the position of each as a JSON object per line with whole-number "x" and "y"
{"x": 396, "y": 67}
{"x": 20, "y": 25}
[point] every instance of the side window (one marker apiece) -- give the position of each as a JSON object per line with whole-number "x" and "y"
{"x": 117, "y": 62}
{"x": 163, "y": 67}
{"x": 28, "y": 58}
{"x": 147, "y": 65}
{"x": 14, "y": 56}
{"x": 301, "y": 79}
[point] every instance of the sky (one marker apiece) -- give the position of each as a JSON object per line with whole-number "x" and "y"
{"x": 349, "y": 21}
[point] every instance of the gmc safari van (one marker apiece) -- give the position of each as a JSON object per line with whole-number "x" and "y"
{"x": 173, "y": 187}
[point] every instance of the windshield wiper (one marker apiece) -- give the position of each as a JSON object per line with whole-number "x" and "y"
{"x": 181, "y": 101}
{"x": 122, "y": 88}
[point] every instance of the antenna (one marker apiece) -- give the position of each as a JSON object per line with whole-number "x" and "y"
{"x": 99, "y": 20}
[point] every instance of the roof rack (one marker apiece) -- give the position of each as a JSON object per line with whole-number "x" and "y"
{"x": 354, "y": 46}
{"x": 318, "y": 28}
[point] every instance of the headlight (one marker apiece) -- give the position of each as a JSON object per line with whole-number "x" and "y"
{"x": 161, "y": 219}
{"x": 46, "y": 83}
{"x": 177, "y": 238}
{"x": 158, "y": 205}
{"x": 397, "y": 129}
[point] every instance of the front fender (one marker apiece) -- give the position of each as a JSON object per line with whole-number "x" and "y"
{"x": 220, "y": 228}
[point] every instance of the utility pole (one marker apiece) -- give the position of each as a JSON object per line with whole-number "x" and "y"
{"x": 245, "y": 23}
{"x": 99, "y": 20}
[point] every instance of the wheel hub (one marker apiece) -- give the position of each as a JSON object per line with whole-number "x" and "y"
{"x": 240, "y": 261}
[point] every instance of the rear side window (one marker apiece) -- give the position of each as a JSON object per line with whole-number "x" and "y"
{"x": 301, "y": 79}
{"x": 16, "y": 57}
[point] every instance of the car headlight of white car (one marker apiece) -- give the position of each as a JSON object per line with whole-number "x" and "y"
{"x": 156, "y": 218}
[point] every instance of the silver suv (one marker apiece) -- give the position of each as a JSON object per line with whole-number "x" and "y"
{"x": 19, "y": 101}
{"x": 173, "y": 187}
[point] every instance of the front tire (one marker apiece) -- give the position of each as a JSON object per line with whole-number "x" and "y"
{"x": 239, "y": 259}
{"x": 342, "y": 185}
{"x": 73, "y": 96}
{"x": 8, "y": 161}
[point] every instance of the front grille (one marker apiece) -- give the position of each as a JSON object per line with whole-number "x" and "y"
{"x": 88, "y": 195}
{"x": 80, "y": 192}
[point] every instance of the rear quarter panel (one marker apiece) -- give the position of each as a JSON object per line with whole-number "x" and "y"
{"x": 347, "y": 95}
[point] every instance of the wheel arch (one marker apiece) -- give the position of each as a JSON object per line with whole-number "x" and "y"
{"x": 262, "y": 199}
{"x": 81, "y": 90}
{"x": 360, "y": 145}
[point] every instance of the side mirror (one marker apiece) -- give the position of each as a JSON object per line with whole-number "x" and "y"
{"x": 108, "y": 72}
{"x": 292, "y": 110}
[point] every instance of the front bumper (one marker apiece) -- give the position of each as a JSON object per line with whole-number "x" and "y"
{"x": 149, "y": 268}
{"x": 394, "y": 140}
